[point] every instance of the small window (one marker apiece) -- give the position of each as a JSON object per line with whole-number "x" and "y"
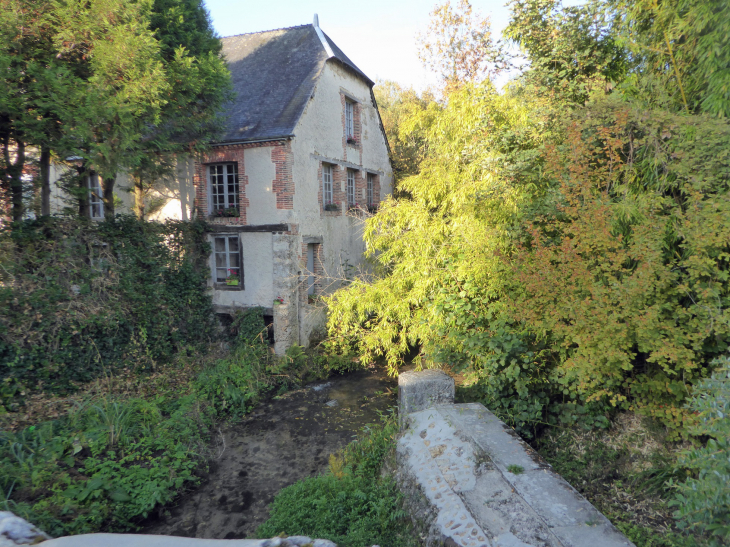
{"x": 223, "y": 179}
{"x": 96, "y": 203}
{"x": 351, "y": 187}
{"x": 327, "y": 184}
{"x": 349, "y": 120}
{"x": 371, "y": 183}
{"x": 311, "y": 254}
{"x": 228, "y": 268}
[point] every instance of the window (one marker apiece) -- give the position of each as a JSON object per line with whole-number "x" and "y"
{"x": 311, "y": 254}
{"x": 223, "y": 178}
{"x": 371, "y": 183}
{"x": 351, "y": 187}
{"x": 349, "y": 120}
{"x": 327, "y": 184}
{"x": 228, "y": 268}
{"x": 96, "y": 203}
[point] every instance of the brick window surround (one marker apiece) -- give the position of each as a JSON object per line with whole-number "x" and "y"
{"x": 224, "y": 188}
{"x": 282, "y": 185}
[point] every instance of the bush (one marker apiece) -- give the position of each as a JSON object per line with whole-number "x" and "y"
{"x": 352, "y": 505}
{"x": 703, "y": 502}
{"x": 104, "y": 466}
{"x": 79, "y": 299}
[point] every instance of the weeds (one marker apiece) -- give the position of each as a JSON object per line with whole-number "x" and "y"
{"x": 352, "y": 504}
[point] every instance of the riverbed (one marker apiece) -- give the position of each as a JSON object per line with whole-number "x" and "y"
{"x": 286, "y": 439}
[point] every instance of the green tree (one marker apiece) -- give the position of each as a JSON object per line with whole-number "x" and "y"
{"x": 570, "y": 51}
{"x": 405, "y": 115}
{"x": 680, "y": 52}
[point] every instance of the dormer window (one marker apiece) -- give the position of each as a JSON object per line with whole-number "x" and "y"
{"x": 223, "y": 183}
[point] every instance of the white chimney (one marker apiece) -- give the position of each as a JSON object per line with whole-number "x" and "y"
{"x": 316, "y": 20}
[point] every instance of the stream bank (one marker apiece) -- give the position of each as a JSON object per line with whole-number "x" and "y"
{"x": 280, "y": 442}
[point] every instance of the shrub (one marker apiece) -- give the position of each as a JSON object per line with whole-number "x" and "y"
{"x": 79, "y": 299}
{"x": 104, "y": 466}
{"x": 703, "y": 501}
{"x": 351, "y": 505}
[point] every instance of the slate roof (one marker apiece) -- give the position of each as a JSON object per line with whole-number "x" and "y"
{"x": 273, "y": 75}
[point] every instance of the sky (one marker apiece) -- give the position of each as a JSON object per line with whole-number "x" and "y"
{"x": 378, "y": 35}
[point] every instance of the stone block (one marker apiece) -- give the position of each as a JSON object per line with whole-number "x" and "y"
{"x": 424, "y": 389}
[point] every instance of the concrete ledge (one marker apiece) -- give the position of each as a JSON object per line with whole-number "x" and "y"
{"x": 132, "y": 540}
{"x": 484, "y": 487}
{"x": 419, "y": 390}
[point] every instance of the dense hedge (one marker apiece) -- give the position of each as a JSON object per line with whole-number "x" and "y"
{"x": 78, "y": 299}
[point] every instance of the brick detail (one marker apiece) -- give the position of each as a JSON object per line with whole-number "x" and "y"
{"x": 357, "y": 129}
{"x": 283, "y": 184}
{"x": 319, "y": 272}
{"x": 339, "y": 195}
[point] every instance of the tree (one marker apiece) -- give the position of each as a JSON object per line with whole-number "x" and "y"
{"x": 199, "y": 86}
{"x": 405, "y": 115}
{"x": 458, "y": 45}
{"x": 100, "y": 82}
{"x": 570, "y": 51}
{"x": 680, "y": 52}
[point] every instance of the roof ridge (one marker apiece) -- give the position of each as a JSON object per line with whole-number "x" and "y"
{"x": 263, "y": 31}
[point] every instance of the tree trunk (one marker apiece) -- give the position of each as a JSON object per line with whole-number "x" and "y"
{"x": 45, "y": 180}
{"x": 139, "y": 199}
{"x": 15, "y": 171}
{"x": 108, "y": 188}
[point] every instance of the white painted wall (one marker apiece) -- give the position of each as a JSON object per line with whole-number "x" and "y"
{"x": 261, "y": 173}
{"x": 319, "y": 135}
{"x": 258, "y": 275}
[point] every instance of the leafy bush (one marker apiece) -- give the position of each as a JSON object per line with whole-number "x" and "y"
{"x": 703, "y": 502}
{"x": 352, "y": 505}
{"x": 103, "y": 466}
{"x": 79, "y": 298}
{"x": 112, "y": 461}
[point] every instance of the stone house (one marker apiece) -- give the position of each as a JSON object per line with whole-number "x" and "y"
{"x": 303, "y": 157}
{"x": 302, "y": 161}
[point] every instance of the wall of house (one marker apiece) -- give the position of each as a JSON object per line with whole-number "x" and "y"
{"x": 320, "y": 137}
{"x": 258, "y": 282}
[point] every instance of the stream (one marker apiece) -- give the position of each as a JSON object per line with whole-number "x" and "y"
{"x": 280, "y": 442}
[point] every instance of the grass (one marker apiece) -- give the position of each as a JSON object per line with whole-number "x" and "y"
{"x": 622, "y": 471}
{"x": 352, "y": 504}
{"x": 126, "y": 445}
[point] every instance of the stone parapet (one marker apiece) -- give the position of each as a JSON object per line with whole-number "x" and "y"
{"x": 470, "y": 481}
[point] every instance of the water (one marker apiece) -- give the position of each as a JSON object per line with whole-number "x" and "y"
{"x": 280, "y": 442}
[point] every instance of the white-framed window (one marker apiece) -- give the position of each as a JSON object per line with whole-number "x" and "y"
{"x": 96, "y": 201}
{"x": 227, "y": 260}
{"x": 351, "y": 187}
{"x": 371, "y": 184}
{"x": 349, "y": 119}
{"x": 223, "y": 183}
{"x": 327, "y": 184}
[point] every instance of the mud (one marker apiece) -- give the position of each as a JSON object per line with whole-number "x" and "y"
{"x": 287, "y": 439}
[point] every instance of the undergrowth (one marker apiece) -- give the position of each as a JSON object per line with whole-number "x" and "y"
{"x": 352, "y": 504}
{"x": 112, "y": 459}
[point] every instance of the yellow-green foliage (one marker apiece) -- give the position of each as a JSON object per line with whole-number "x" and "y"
{"x": 459, "y": 213}
{"x": 569, "y": 271}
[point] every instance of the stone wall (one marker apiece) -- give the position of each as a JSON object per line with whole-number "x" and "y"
{"x": 470, "y": 481}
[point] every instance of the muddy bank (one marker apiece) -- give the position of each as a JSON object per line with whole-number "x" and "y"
{"x": 280, "y": 442}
